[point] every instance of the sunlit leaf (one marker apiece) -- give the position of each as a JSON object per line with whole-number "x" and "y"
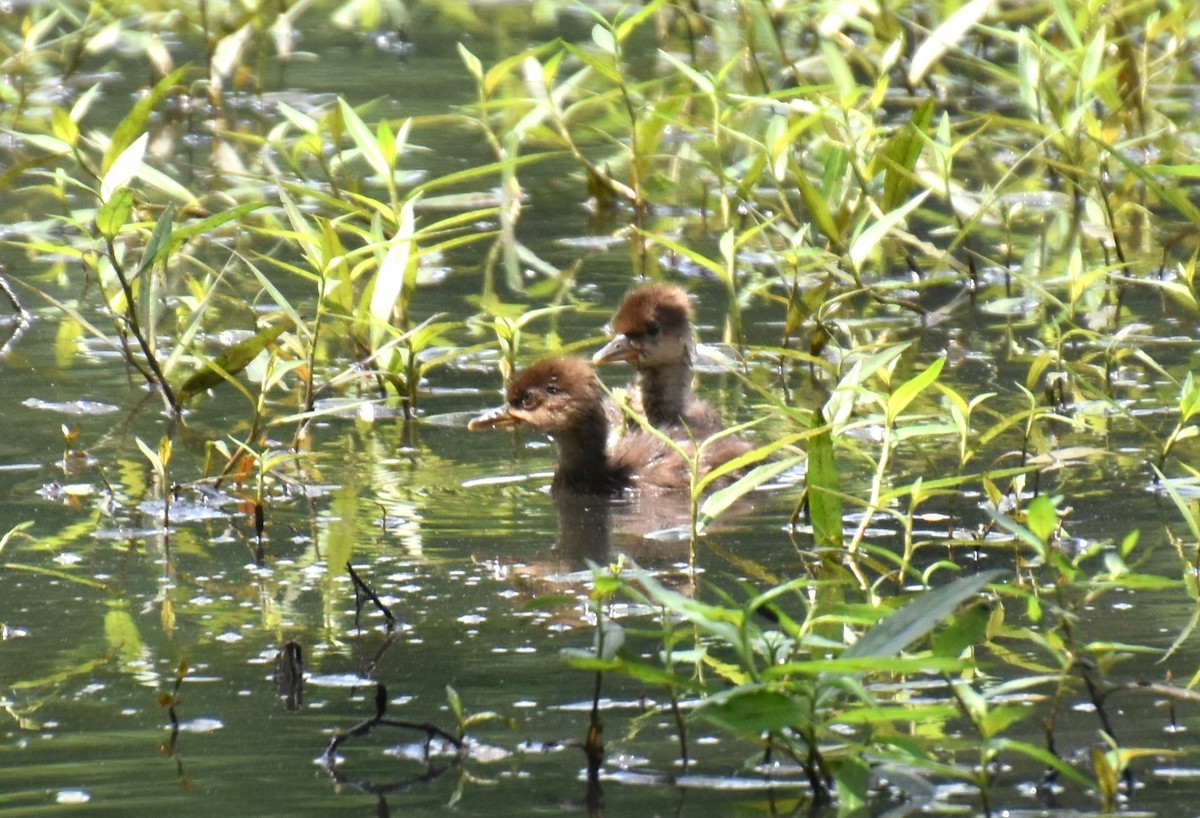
{"x": 1041, "y": 518}
{"x": 945, "y": 37}
{"x": 393, "y": 272}
{"x": 717, "y": 502}
{"x": 865, "y": 244}
{"x": 904, "y": 394}
{"x": 227, "y": 54}
{"x": 113, "y": 214}
{"x": 135, "y": 122}
{"x": 63, "y": 126}
{"x": 471, "y": 61}
{"x": 365, "y": 141}
{"x": 124, "y": 168}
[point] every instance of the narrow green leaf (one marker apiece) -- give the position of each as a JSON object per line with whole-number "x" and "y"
{"x": 134, "y": 123}
{"x": 870, "y": 238}
{"x": 151, "y": 455}
{"x": 904, "y": 394}
{"x": 390, "y": 279}
{"x": 717, "y": 502}
{"x": 122, "y": 634}
{"x": 701, "y": 81}
{"x": 945, "y": 37}
{"x": 159, "y": 239}
{"x": 920, "y": 616}
{"x": 901, "y": 154}
{"x": 364, "y": 140}
{"x": 1049, "y": 759}
{"x": 186, "y": 232}
{"x": 818, "y": 211}
{"x": 474, "y": 66}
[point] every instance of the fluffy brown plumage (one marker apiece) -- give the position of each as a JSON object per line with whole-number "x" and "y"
{"x": 561, "y": 397}
{"x": 652, "y": 329}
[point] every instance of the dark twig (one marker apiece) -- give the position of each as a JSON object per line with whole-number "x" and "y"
{"x": 23, "y": 315}
{"x": 363, "y": 591}
{"x": 365, "y": 726}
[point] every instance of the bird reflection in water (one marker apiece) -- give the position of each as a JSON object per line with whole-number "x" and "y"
{"x": 637, "y": 480}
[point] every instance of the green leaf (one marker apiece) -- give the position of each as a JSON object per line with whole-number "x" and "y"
{"x": 604, "y": 39}
{"x": 1045, "y": 757}
{"x": 63, "y": 126}
{"x": 114, "y": 213}
{"x": 1041, "y": 518}
{"x": 824, "y": 488}
{"x": 717, "y": 502}
{"x": 1189, "y": 398}
{"x": 393, "y": 273}
{"x": 159, "y": 239}
{"x": 186, "y": 232}
{"x": 998, "y": 718}
{"x": 365, "y": 141}
{"x": 945, "y": 37}
{"x": 232, "y": 361}
{"x": 122, "y": 634}
{"x": 920, "y": 616}
{"x": 134, "y": 123}
{"x": 901, "y": 154}
{"x": 870, "y": 238}
{"x": 151, "y": 455}
{"x": 474, "y": 66}
{"x": 818, "y": 211}
{"x": 967, "y": 630}
{"x": 124, "y": 168}
{"x": 455, "y": 702}
{"x": 752, "y": 710}
{"x": 853, "y": 778}
{"x": 904, "y": 394}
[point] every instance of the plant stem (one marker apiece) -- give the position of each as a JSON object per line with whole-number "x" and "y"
{"x": 131, "y": 319}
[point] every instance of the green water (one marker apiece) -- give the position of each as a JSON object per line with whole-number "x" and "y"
{"x": 100, "y": 609}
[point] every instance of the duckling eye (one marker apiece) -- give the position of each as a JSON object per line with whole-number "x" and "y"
{"x": 652, "y": 329}
{"x": 525, "y": 401}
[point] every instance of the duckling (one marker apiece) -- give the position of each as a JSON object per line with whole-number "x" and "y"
{"x": 653, "y": 329}
{"x": 563, "y": 398}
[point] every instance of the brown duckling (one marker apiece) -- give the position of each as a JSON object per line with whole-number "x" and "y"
{"x": 652, "y": 328}
{"x": 563, "y": 398}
